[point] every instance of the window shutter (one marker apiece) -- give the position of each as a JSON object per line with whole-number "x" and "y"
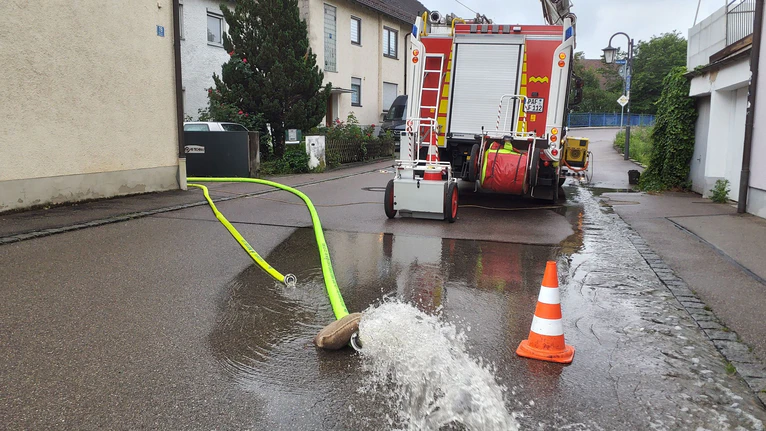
{"x": 389, "y": 94}
{"x": 355, "y": 27}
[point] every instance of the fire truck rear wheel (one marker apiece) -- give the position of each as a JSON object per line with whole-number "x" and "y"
{"x": 473, "y": 164}
{"x": 388, "y": 200}
{"x": 451, "y": 202}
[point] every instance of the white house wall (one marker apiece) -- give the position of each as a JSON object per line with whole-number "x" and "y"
{"x": 706, "y": 38}
{"x": 727, "y": 89}
{"x": 87, "y": 100}
{"x": 365, "y": 61}
{"x": 198, "y": 58}
{"x": 756, "y": 201}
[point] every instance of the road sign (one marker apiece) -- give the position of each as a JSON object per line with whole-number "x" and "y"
{"x": 621, "y": 61}
{"x": 623, "y": 100}
{"x": 623, "y": 71}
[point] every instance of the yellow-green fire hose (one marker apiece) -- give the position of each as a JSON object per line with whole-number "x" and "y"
{"x": 333, "y": 292}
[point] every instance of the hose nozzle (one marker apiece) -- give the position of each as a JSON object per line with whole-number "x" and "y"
{"x": 290, "y": 280}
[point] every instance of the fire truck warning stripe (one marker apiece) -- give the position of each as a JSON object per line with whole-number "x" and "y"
{"x": 549, "y": 295}
{"x": 547, "y": 327}
{"x": 548, "y": 311}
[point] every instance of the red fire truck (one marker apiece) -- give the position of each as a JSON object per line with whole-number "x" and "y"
{"x": 490, "y": 100}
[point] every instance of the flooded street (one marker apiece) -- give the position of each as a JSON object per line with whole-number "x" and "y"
{"x": 640, "y": 360}
{"x": 164, "y": 323}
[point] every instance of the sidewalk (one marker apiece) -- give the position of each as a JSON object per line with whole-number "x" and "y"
{"x": 713, "y": 259}
{"x": 18, "y": 226}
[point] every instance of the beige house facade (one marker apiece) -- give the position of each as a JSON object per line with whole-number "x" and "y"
{"x": 88, "y": 101}
{"x": 361, "y": 48}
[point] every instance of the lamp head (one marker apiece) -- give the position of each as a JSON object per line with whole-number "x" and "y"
{"x": 609, "y": 54}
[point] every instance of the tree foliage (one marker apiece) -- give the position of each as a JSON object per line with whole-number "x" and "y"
{"x": 272, "y": 76}
{"x": 673, "y": 135}
{"x": 601, "y": 87}
{"x": 652, "y": 61}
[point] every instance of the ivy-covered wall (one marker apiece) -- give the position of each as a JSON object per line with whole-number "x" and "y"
{"x": 673, "y": 135}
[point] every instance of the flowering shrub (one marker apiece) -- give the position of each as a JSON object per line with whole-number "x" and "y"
{"x": 349, "y": 130}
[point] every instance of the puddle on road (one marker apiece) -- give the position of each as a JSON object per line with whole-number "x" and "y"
{"x": 624, "y": 328}
{"x": 263, "y": 339}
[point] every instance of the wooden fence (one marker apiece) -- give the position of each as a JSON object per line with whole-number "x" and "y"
{"x": 348, "y": 151}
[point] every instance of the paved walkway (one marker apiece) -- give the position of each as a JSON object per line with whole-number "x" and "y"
{"x": 712, "y": 258}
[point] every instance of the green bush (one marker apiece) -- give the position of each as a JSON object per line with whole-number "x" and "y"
{"x": 720, "y": 192}
{"x": 640, "y": 143}
{"x": 673, "y": 135}
{"x": 295, "y": 161}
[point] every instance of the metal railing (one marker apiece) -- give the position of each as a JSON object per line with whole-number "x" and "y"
{"x": 603, "y": 119}
{"x": 740, "y": 16}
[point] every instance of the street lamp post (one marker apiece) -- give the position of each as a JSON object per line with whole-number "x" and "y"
{"x": 609, "y": 56}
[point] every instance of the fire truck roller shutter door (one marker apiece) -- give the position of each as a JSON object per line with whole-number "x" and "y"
{"x": 483, "y": 73}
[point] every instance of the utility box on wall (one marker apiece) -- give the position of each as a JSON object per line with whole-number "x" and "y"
{"x": 315, "y": 148}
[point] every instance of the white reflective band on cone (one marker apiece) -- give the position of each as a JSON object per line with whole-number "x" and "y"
{"x": 547, "y": 327}
{"x": 549, "y": 295}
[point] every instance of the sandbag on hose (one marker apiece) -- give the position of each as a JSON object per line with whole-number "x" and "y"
{"x": 337, "y": 334}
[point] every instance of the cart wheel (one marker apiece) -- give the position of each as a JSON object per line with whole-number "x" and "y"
{"x": 473, "y": 164}
{"x": 388, "y": 200}
{"x": 450, "y": 202}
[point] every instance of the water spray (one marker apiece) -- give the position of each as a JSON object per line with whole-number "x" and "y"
{"x": 344, "y": 330}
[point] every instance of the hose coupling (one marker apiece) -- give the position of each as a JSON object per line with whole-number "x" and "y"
{"x": 356, "y": 343}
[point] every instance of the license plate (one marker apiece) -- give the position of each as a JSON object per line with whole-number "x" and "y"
{"x": 534, "y": 104}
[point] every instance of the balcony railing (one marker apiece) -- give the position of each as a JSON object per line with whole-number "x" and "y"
{"x": 740, "y": 15}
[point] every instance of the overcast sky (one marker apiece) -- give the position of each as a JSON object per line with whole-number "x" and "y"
{"x": 597, "y": 20}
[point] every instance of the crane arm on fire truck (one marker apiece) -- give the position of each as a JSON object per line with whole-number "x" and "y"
{"x": 555, "y": 11}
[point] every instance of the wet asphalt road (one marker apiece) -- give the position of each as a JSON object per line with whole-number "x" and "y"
{"x": 164, "y": 322}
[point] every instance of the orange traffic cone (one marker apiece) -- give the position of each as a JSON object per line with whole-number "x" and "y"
{"x": 546, "y": 337}
{"x": 432, "y": 157}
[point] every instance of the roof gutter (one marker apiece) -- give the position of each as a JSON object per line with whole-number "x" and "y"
{"x": 755, "y": 57}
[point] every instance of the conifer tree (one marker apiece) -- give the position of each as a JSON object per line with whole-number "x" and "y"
{"x": 272, "y": 76}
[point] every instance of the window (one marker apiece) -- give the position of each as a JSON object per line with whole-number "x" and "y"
{"x": 181, "y": 19}
{"x": 233, "y": 127}
{"x": 356, "y": 92}
{"x": 214, "y": 29}
{"x": 196, "y": 128}
{"x": 330, "y": 35}
{"x": 390, "y": 42}
{"x": 390, "y": 91}
{"x": 356, "y": 31}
